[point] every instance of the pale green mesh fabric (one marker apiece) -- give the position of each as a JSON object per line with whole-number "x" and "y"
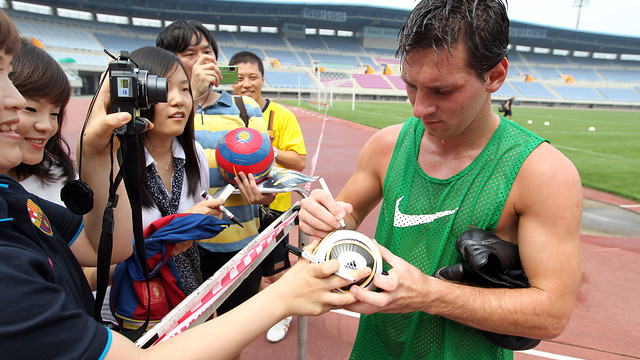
{"x": 429, "y": 216}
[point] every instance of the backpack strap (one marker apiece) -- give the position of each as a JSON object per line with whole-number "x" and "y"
{"x": 243, "y": 110}
{"x": 270, "y": 126}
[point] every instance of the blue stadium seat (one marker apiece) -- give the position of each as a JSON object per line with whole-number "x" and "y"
{"x": 285, "y": 57}
{"x": 116, "y": 43}
{"x": 620, "y": 75}
{"x": 581, "y": 74}
{"x": 526, "y": 70}
{"x": 506, "y": 90}
{"x": 229, "y": 51}
{"x": 620, "y": 94}
{"x": 547, "y": 73}
{"x": 368, "y": 60}
{"x": 336, "y": 59}
{"x": 223, "y": 36}
{"x": 533, "y": 90}
{"x": 589, "y": 61}
{"x": 309, "y": 42}
{"x": 59, "y": 36}
{"x": 545, "y": 58}
{"x": 283, "y": 79}
{"x": 349, "y": 44}
{"x": 264, "y": 39}
{"x": 578, "y": 93}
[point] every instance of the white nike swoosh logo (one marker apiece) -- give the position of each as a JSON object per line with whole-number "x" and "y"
{"x": 404, "y": 220}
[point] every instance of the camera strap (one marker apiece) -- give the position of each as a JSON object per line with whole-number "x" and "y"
{"x": 105, "y": 246}
{"x": 243, "y": 109}
{"x": 128, "y": 157}
{"x": 129, "y": 146}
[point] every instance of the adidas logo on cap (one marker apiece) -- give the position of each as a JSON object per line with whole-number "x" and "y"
{"x": 351, "y": 265}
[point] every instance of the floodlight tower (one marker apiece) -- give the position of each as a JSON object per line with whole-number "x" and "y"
{"x": 580, "y": 4}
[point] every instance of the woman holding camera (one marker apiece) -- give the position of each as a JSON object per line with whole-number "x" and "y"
{"x": 174, "y": 170}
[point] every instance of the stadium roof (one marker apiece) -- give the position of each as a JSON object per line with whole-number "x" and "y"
{"x": 336, "y": 17}
{"x": 254, "y": 13}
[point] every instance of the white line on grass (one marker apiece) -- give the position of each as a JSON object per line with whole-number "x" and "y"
{"x": 594, "y": 153}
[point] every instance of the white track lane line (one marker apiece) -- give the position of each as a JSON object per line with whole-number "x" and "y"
{"x": 546, "y": 355}
{"x": 538, "y": 353}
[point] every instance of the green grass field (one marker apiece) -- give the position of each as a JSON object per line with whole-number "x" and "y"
{"x": 608, "y": 159}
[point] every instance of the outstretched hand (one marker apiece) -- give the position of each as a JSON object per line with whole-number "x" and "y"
{"x": 404, "y": 289}
{"x": 307, "y": 289}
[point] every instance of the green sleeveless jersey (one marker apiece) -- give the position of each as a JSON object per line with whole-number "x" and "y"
{"x": 420, "y": 219}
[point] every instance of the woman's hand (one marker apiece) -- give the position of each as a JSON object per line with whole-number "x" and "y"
{"x": 207, "y": 207}
{"x": 307, "y": 289}
{"x": 250, "y": 191}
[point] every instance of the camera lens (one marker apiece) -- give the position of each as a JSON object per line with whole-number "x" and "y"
{"x": 232, "y": 68}
{"x": 156, "y": 89}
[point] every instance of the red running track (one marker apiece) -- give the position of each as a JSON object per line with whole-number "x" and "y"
{"x": 604, "y": 324}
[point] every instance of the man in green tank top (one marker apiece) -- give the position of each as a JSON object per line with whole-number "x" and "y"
{"x": 457, "y": 164}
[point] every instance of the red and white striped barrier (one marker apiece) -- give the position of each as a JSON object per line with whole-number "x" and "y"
{"x": 201, "y": 304}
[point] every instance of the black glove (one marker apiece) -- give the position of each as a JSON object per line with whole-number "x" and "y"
{"x": 490, "y": 262}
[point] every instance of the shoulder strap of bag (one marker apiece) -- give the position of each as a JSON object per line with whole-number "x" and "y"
{"x": 243, "y": 110}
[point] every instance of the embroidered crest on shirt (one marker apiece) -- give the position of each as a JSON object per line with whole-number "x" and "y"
{"x": 404, "y": 220}
{"x": 38, "y": 218}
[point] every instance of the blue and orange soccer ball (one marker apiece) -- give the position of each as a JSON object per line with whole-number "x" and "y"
{"x": 244, "y": 150}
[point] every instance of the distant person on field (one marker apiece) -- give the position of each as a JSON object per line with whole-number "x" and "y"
{"x": 508, "y": 106}
{"x": 290, "y": 152}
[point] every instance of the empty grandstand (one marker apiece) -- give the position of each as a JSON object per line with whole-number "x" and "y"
{"x": 308, "y": 49}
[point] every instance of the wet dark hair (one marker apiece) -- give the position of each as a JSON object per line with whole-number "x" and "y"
{"x": 164, "y": 63}
{"x": 9, "y": 36}
{"x": 177, "y": 36}
{"x": 483, "y": 25}
{"x": 247, "y": 57}
{"x": 38, "y": 76}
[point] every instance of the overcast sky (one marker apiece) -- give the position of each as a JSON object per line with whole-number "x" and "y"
{"x": 618, "y": 17}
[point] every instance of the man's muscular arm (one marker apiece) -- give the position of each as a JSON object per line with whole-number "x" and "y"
{"x": 320, "y": 213}
{"x": 547, "y": 202}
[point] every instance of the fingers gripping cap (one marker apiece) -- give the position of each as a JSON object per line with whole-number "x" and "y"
{"x": 354, "y": 251}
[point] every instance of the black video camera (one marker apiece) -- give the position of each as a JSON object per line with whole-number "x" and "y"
{"x": 133, "y": 90}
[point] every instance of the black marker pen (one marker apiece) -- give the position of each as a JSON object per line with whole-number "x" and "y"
{"x": 226, "y": 211}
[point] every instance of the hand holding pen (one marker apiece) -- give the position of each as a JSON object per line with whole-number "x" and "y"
{"x": 326, "y": 188}
{"x": 223, "y": 209}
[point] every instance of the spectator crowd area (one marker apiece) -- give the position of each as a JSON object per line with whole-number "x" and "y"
{"x": 338, "y": 65}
